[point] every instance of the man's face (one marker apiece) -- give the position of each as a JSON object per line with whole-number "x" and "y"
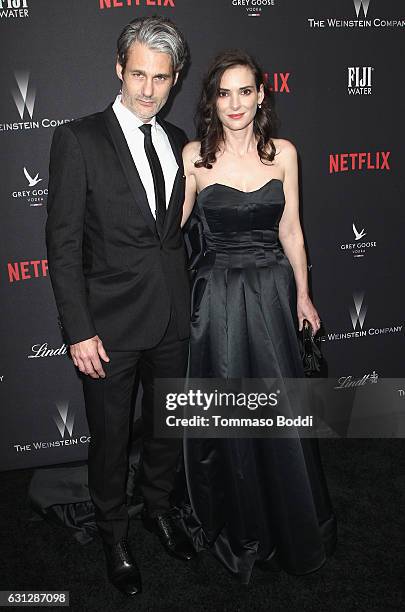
{"x": 146, "y": 81}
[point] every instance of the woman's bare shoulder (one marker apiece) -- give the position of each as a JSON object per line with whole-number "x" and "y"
{"x": 284, "y": 147}
{"x": 191, "y": 152}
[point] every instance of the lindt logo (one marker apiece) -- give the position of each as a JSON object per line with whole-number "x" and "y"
{"x": 107, "y": 4}
{"x": 348, "y": 382}
{"x": 43, "y": 350}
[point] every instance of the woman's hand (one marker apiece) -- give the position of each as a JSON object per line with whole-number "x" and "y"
{"x": 306, "y": 310}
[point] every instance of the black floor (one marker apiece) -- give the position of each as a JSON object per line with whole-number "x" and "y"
{"x": 366, "y": 480}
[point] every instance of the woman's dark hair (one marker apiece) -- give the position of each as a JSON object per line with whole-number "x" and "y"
{"x": 209, "y": 127}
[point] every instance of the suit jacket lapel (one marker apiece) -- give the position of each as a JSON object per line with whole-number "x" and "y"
{"x": 129, "y": 167}
{"x": 175, "y": 145}
{"x": 177, "y": 151}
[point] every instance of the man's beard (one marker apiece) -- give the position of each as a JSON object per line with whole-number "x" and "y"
{"x": 133, "y": 103}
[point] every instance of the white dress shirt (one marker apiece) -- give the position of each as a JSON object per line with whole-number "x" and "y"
{"x": 130, "y": 126}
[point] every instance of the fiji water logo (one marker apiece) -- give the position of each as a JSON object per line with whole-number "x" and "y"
{"x": 359, "y": 80}
{"x": 10, "y": 9}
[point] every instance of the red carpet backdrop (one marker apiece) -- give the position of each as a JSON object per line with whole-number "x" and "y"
{"x": 335, "y": 70}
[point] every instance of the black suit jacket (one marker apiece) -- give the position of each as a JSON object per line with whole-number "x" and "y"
{"x": 111, "y": 273}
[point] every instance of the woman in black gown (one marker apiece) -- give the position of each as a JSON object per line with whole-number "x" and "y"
{"x": 249, "y": 499}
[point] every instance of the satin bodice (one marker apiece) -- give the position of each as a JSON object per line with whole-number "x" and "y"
{"x": 235, "y": 228}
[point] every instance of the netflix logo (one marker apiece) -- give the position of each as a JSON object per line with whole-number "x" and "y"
{"x": 345, "y": 162}
{"x": 277, "y": 81}
{"x": 25, "y": 270}
{"x": 107, "y": 4}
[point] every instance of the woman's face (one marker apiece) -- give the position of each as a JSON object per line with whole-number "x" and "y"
{"x": 238, "y": 98}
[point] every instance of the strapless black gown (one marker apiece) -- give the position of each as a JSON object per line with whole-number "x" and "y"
{"x": 250, "y": 499}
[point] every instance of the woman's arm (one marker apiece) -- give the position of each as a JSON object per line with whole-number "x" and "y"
{"x": 190, "y": 154}
{"x": 292, "y": 240}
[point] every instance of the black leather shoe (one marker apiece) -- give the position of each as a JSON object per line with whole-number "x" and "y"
{"x": 122, "y": 570}
{"x": 174, "y": 540}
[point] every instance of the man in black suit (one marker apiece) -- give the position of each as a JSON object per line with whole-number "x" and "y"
{"x": 118, "y": 268}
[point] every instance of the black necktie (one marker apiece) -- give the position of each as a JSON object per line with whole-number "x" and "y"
{"x": 158, "y": 178}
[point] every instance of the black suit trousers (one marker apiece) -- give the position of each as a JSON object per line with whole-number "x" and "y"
{"x": 108, "y": 408}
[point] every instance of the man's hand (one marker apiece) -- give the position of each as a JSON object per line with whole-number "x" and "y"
{"x": 86, "y": 356}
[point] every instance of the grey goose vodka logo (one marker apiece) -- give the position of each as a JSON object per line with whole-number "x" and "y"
{"x": 361, "y": 17}
{"x": 359, "y": 247}
{"x": 253, "y": 8}
{"x": 34, "y": 192}
{"x": 358, "y": 234}
{"x": 32, "y": 180}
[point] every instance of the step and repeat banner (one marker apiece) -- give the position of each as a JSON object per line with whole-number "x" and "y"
{"x": 335, "y": 71}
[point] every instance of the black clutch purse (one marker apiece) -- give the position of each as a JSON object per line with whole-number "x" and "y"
{"x": 310, "y": 351}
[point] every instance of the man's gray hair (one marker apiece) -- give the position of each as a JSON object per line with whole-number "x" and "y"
{"x": 157, "y": 33}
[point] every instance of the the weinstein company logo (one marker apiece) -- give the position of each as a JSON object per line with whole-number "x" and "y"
{"x": 64, "y": 419}
{"x": 365, "y": 160}
{"x": 360, "y": 10}
{"x": 277, "y": 81}
{"x": 358, "y": 310}
{"x": 253, "y": 8}
{"x": 24, "y": 99}
{"x": 359, "y": 80}
{"x": 33, "y": 195}
{"x": 359, "y": 247}
{"x": 364, "y": 4}
{"x": 13, "y": 8}
{"x": 107, "y": 4}
{"x": 24, "y": 94}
